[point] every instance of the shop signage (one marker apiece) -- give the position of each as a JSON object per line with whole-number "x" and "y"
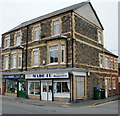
{"x": 53, "y": 75}
{"x": 13, "y": 76}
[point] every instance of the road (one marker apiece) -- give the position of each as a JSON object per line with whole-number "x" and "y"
{"x": 10, "y": 107}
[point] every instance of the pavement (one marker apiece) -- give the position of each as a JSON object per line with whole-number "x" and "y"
{"x": 63, "y": 104}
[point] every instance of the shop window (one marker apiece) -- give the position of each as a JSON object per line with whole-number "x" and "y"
{"x": 18, "y": 38}
{"x": 62, "y": 87}
{"x": 7, "y": 41}
{"x": 36, "y": 33}
{"x": 11, "y": 86}
{"x": 34, "y": 88}
{"x": 56, "y": 27}
{"x": 6, "y": 62}
{"x": 54, "y": 54}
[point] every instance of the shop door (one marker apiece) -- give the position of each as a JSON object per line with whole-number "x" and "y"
{"x": 46, "y": 90}
{"x": 21, "y": 89}
{"x": 106, "y": 87}
{"x": 80, "y": 87}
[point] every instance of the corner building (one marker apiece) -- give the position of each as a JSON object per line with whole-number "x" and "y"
{"x": 58, "y": 56}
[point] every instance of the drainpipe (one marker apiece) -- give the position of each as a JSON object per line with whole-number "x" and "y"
{"x": 26, "y": 50}
{"x": 72, "y": 92}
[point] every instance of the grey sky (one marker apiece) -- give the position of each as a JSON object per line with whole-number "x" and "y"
{"x": 14, "y": 12}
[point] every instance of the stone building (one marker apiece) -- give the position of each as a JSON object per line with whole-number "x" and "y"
{"x": 58, "y": 56}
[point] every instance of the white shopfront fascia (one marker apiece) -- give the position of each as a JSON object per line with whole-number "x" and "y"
{"x": 47, "y": 76}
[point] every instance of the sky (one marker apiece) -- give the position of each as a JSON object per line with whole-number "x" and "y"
{"x": 14, "y": 12}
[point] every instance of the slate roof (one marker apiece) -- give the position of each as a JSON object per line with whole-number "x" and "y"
{"x": 109, "y": 52}
{"x": 66, "y": 9}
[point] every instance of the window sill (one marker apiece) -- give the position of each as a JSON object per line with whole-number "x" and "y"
{"x": 35, "y": 66}
{"x": 52, "y": 64}
{"x": 14, "y": 68}
{"x": 62, "y": 63}
{"x": 114, "y": 88}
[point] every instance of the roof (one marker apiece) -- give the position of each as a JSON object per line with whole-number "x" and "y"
{"x": 109, "y": 52}
{"x": 70, "y": 8}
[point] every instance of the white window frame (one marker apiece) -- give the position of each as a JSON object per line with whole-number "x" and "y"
{"x": 18, "y": 37}
{"x": 36, "y": 29}
{"x": 100, "y": 58}
{"x": 56, "y": 32}
{"x": 106, "y": 62}
{"x": 54, "y": 63}
{"x": 6, "y": 67}
{"x": 34, "y": 87}
{"x": 63, "y": 49}
{"x": 100, "y": 37}
{"x": 20, "y": 56}
{"x": 13, "y": 61}
{"x": 7, "y": 39}
{"x": 37, "y": 52}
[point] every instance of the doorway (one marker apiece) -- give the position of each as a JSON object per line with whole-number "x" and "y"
{"x": 21, "y": 89}
{"x": 46, "y": 90}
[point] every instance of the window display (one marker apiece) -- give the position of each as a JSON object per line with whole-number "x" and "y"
{"x": 34, "y": 88}
{"x": 11, "y": 86}
{"x": 62, "y": 89}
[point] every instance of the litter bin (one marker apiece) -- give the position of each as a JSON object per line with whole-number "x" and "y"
{"x": 102, "y": 93}
{"x": 97, "y": 93}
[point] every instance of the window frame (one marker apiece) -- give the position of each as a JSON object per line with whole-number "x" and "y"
{"x": 7, "y": 38}
{"x": 33, "y": 87}
{"x": 107, "y": 61}
{"x": 101, "y": 63}
{"x": 57, "y": 54}
{"x": 34, "y": 50}
{"x": 20, "y": 38}
{"x": 33, "y": 32}
{"x": 53, "y": 27}
{"x": 6, "y": 66}
{"x": 13, "y": 67}
{"x": 20, "y": 55}
{"x": 100, "y": 37}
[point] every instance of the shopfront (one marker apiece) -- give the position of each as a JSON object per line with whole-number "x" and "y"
{"x": 15, "y": 85}
{"x": 49, "y": 87}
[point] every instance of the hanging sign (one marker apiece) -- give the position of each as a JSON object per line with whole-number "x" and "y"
{"x": 53, "y": 75}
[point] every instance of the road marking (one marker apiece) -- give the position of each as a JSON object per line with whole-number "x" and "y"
{"x": 102, "y": 104}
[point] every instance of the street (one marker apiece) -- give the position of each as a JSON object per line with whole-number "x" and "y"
{"x": 10, "y": 107}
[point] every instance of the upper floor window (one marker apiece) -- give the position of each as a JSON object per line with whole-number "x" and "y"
{"x": 115, "y": 64}
{"x": 54, "y": 54}
{"x": 35, "y": 58}
{"x": 56, "y": 27}
{"x": 6, "y": 62}
{"x": 13, "y": 60}
{"x": 19, "y": 60}
{"x": 18, "y": 38}
{"x": 106, "y": 62}
{"x": 7, "y": 41}
{"x": 63, "y": 53}
{"x": 101, "y": 60}
{"x": 100, "y": 37}
{"x": 36, "y": 33}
